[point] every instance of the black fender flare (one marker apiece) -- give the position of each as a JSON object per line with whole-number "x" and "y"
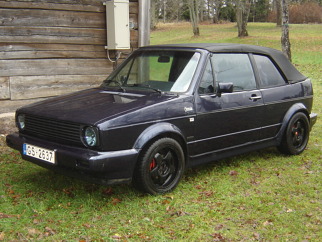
{"x": 297, "y": 107}
{"x": 157, "y": 129}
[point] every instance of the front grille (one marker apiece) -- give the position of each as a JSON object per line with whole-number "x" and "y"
{"x": 53, "y": 130}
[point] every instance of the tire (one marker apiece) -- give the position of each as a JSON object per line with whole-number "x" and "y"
{"x": 296, "y": 135}
{"x": 161, "y": 167}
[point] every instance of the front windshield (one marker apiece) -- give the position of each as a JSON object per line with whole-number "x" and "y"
{"x": 159, "y": 70}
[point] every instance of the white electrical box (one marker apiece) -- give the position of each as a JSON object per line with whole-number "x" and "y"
{"x": 117, "y": 24}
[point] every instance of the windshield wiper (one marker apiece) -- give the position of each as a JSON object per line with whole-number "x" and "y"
{"x": 148, "y": 87}
{"x": 118, "y": 84}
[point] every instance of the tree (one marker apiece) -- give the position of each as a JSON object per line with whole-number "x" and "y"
{"x": 193, "y": 6}
{"x": 242, "y": 14}
{"x": 285, "y": 40}
{"x": 154, "y": 20}
{"x": 227, "y": 12}
{"x": 259, "y": 10}
{"x": 278, "y": 12}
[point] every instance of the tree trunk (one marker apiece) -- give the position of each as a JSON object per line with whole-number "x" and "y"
{"x": 278, "y": 12}
{"x": 242, "y": 13}
{"x": 285, "y": 39}
{"x": 194, "y": 16}
{"x": 216, "y": 12}
{"x": 164, "y": 11}
{"x": 153, "y": 23}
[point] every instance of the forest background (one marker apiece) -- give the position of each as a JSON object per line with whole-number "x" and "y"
{"x": 218, "y": 11}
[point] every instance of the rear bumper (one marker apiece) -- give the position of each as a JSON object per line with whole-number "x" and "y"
{"x": 313, "y": 118}
{"x": 97, "y": 167}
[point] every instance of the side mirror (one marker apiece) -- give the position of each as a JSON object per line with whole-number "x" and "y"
{"x": 227, "y": 87}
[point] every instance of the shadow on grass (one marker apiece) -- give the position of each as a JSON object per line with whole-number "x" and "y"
{"x": 46, "y": 183}
{"x": 232, "y": 162}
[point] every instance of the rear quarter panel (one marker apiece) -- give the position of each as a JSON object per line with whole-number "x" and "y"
{"x": 279, "y": 100}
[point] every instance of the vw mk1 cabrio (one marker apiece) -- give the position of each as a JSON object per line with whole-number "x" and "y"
{"x": 167, "y": 108}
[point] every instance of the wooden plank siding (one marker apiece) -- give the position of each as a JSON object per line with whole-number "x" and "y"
{"x": 52, "y": 47}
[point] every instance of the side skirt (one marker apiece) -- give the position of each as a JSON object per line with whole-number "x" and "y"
{"x": 232, "y": 151}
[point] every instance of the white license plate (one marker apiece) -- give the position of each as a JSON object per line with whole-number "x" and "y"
{"x": 39, "y": 153}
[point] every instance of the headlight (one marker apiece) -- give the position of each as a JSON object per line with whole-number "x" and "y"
{"x": 21, "y": 121}
{"x": 90, "y": 136}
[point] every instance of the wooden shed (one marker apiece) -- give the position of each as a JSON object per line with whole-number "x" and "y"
{"x": 52, "y": 47}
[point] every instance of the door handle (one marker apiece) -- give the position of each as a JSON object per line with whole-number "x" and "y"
{"x": 254, "y": 98}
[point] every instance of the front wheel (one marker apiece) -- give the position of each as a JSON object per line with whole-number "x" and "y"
{"x": 296, "y": 135}
{"x": 160, "y": 168}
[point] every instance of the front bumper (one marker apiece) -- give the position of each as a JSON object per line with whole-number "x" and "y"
{"x": 104, "y": 168}
{"x": 313, "y": 118}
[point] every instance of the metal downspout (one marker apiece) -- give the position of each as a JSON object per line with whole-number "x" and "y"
{"x": 144, "y": 22}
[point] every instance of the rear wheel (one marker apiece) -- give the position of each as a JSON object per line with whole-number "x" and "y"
{"x": 296, "y": 135}
{"x": 160, "y": 168}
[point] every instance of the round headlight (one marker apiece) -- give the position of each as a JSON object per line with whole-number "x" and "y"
{"x": 21, "y": 121}
{"x": 90, "y": 136}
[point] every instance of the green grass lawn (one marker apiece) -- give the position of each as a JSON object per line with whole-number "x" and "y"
{"x": 261, "y": 195}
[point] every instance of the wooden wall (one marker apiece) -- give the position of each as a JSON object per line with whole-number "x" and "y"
{"x": 52, "y": 47}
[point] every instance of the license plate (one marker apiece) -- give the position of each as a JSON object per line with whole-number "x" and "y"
{"x": 39, "y": 153}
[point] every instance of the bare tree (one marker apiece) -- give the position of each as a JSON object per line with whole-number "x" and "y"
{"x": 164, "y": 7}
{"x": 242, "y": 14}
{"x": 217, "y": 4}
{"x": 154, "y": 20}
{"x": 285, "y": 39}
{"x": 278, "y": 12}
{"x": 193, "y": 6}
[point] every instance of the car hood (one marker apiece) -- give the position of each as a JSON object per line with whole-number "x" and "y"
{"x": 93, "y": 106}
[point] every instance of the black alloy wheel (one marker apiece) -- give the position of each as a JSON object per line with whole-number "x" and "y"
{"x": 161, "y": 167}
{"x": 296, "y": 135}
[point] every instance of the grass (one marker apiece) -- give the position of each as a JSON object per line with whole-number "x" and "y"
{"x": 261, "y": 195}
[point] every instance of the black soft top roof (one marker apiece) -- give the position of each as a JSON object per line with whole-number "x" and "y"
{"x": 290, "y": 72}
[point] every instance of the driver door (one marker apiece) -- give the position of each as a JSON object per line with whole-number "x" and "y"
{"x": 229, "y": 120}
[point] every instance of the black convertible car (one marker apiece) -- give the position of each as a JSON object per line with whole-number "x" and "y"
{"x": 167, "y": 108}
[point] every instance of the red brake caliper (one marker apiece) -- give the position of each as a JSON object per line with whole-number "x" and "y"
{"x": 152, "y": 164}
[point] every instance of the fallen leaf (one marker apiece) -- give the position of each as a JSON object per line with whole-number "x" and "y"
{"x": 220, "y": 226}
{"x": 217, "y": 237}
{"x": 207, "y": 193}
{"x": 256, "y": 236}
{"x": 198, "y": 187}
{"x": 36, "y": 221}
{"x": 10, "y": 191}
{"x": 233, "y": 173}
{"x": 165, "y": 201}
{"x": 309, "y": 215}
{"x": 50, "y": 231}
{"x": 218, "y": 204}
{"x": 69, "y": 192}
{"x": 2, "y": 235}
{"x": 267, "y": 223}
{"x": 180, "y": 213}
{"x": 107, "y": 191}
{"x": 254, "y": 182}
{"x": 116, "y": 201}
{"x": 2, "y": 215}
{"x": 33, "y": 232}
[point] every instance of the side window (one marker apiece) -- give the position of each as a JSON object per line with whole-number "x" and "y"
{"x": 235, "y": 68}
{"x": 269, "y": 75}
{"x": 207, "y": 81}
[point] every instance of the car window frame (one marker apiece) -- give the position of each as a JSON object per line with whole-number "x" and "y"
{"x": 257, "y": 74}
{"x": 209, "y": 58}
{"x": 202, "y": 73}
